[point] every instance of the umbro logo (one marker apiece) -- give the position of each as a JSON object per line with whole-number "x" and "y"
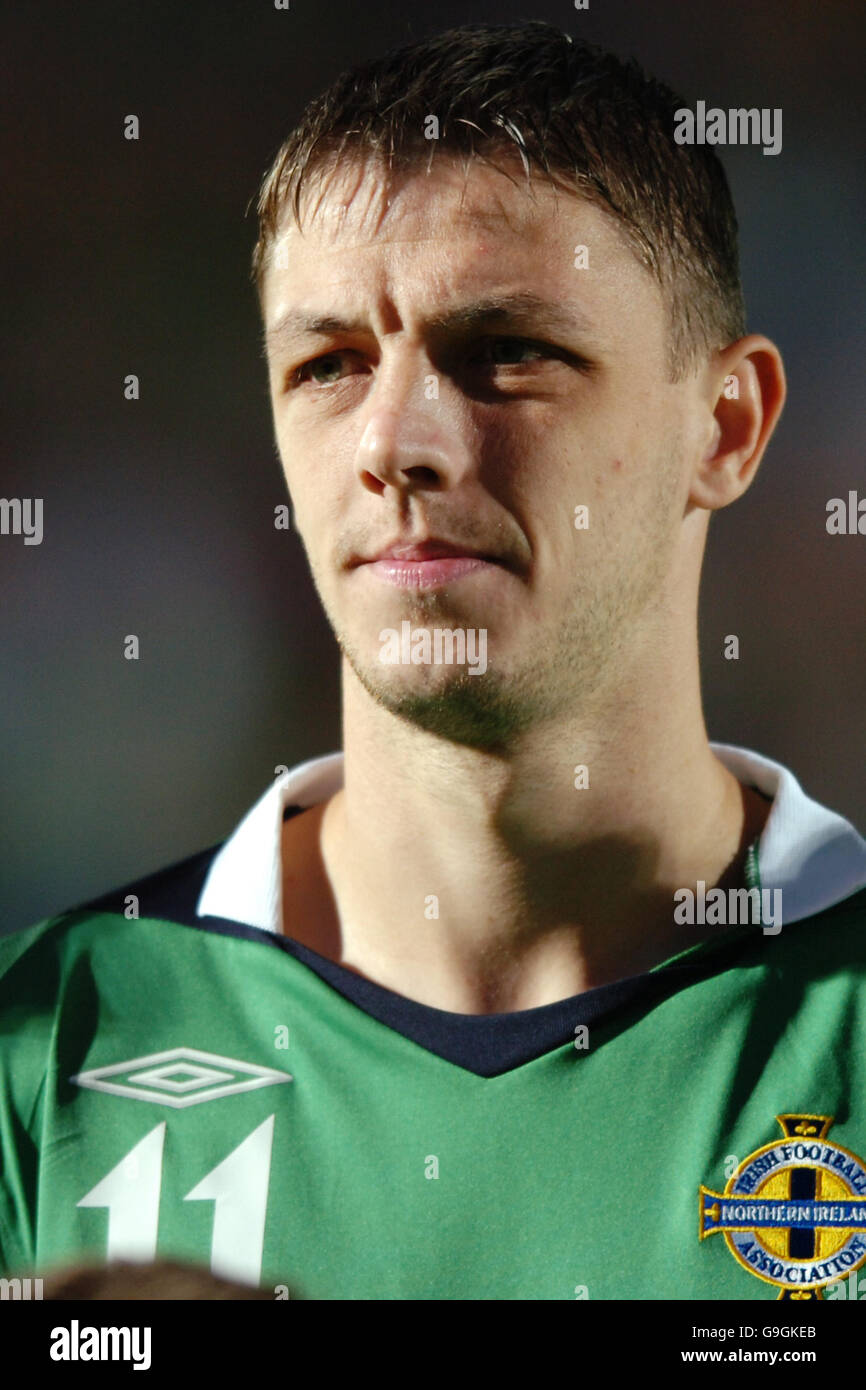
{"x": 180, "y": 1077}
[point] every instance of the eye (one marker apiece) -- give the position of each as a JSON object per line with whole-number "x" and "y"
{"x": 321, "y": 371}
{"x": 510, "y": 352}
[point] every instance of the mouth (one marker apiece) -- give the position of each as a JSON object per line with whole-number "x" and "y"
{"x": 426, "y": 564}
{"x": 427, "y": 574}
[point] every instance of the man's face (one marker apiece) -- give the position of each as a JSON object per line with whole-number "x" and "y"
{"x": 441, "y": 368}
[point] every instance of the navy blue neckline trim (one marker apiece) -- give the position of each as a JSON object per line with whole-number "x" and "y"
{"x": 486, "y": 1044}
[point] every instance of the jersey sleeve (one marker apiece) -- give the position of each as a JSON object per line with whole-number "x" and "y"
{"x": 29, "y": 980}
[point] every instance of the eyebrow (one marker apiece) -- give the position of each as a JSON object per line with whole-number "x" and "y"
{"x": 523, "y": 308}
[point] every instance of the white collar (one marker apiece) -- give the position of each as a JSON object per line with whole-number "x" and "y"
{"x": 814, "y": 855}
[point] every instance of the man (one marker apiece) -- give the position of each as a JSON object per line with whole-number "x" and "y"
{"x": 478, "y": 1008}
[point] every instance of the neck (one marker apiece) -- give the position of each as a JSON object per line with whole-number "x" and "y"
{"x": 482, "y": 883}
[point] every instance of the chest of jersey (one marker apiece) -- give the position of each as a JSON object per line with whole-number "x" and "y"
{"x": 218, "y": 1102}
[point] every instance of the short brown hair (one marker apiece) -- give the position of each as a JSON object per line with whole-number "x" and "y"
{"x": 588, "y": 121}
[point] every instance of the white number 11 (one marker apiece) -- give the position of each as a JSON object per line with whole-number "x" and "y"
{"x": 238, "y": 1187}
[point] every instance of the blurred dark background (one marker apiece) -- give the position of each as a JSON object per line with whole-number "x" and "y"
{"x": 127, "y": 257}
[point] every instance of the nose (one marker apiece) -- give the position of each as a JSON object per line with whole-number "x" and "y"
{"x": 414, "y": 435}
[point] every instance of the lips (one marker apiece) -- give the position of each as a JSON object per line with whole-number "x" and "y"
{"x": 427, "y": 564}
{"x": 421, "y": 551}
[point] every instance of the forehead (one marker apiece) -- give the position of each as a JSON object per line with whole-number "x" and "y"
{"x": 448, "y": 232}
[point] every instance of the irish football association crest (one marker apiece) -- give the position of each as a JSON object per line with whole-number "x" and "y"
{"x": 794, "y": 1212}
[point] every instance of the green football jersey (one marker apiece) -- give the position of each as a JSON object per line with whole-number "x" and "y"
{"x": 194, "y": 1091}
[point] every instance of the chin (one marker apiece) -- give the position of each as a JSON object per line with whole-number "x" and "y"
{"x": 479, "y": 711}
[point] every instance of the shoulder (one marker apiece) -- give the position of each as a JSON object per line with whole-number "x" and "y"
{"x": 50, "y": 973}
{"x": 825, "y": 949}
{"x": 170, "y": 894}
{"x": 833, "y": 939}
{"x": 839, "y": 927}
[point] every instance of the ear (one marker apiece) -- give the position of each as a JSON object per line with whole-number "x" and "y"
{"x": 744, "y": 391}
